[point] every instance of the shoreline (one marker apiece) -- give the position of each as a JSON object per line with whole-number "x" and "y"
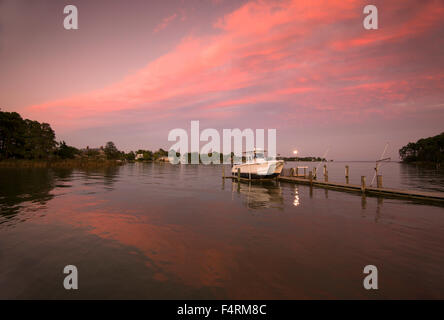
{"x": 423, "y": 163}
{"x": 68, "y": 163}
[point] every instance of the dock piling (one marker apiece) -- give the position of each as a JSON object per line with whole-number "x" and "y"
{"x": 379, "y": 181}
{"x": 325, "y": 173}
{"x": 315, "y": 172}
{"x": 310, "y": 177}
{"x": 363, "y": 184}
{"x": 238, "y": 174}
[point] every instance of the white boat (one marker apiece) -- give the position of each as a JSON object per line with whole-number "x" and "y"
{"x": 256, "y": 166}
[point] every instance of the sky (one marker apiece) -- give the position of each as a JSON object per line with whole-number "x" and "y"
{"x": 134, "y": 70}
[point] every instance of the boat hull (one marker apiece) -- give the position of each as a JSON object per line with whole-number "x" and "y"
{"x": 258, "y": 176}
{"x": 261, "y": 170}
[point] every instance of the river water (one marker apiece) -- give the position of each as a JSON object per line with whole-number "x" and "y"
{"x": 159, "y": 231}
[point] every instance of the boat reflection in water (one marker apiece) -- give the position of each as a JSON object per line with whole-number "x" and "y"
{"x": 260, "y": 195}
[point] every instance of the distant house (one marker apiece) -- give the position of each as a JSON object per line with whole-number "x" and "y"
{"x": 139, "y": 156}
{"x": 102, "y": 153}
{"x": 163, "y": 159}
{"x": 93, "y": 153}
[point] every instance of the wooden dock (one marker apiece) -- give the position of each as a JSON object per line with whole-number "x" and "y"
{"x": 433, "y": 196}
{"x": 362, "y": 189}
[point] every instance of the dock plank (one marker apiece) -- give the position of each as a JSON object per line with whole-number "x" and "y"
{"x": 436, "y": 196}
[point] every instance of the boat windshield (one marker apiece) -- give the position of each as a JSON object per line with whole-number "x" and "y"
{"x": 251, "y": 156}
{"x": 260, "y": 155}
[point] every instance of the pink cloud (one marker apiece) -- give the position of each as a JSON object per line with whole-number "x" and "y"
{"x": 297, "y": 56}
{"x": 165, "y": 22}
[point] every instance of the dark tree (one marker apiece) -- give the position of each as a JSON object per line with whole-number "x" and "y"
{"x": 111, "y": 151}
{"x": 11, "y": 135}
{"x": 39, "y": 140}
{"x": 25, "y": 138}
{"x": 66, "y": 152}
{"x": 160, "y": 153}
{"x": 424, "y": 150}
{"x": 130, "y": 156}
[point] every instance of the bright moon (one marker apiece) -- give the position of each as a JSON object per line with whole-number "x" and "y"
{"x": 295, "y": 152}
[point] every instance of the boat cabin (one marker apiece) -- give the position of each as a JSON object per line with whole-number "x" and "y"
{"x": 255, "y": 156}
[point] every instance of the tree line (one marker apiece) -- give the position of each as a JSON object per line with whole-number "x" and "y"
{"x": 424, "y": 150}
{"x": 31, "y": 140}
{"x": 24, "y": 139}
{"x": 304, "y": 159}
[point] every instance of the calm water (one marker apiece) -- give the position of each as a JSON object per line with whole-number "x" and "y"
{"x": 164, "y": 231}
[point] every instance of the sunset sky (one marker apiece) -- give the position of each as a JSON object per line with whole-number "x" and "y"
{"x": 136, "y": 69}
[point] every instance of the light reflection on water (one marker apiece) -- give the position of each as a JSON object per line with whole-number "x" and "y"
{"x": 163, "y": 231}
{"x": 296, "y": 201}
